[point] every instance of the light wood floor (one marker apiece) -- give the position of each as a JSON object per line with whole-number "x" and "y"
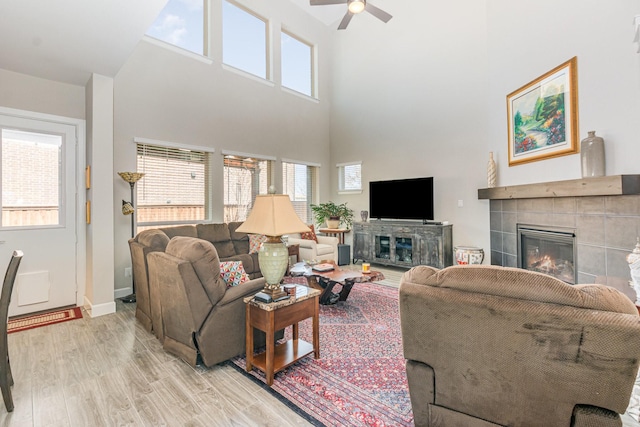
{"x": 108, "y": 371}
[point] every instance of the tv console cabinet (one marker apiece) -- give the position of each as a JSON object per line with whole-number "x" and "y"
{"x": 403, "y": 243}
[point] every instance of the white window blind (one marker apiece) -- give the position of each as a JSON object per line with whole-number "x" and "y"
{"x": 244, "y": 179}
{"x": 299, "y": 182}
{"x": 174, "y": 188}
{"x": 350, "y": 177}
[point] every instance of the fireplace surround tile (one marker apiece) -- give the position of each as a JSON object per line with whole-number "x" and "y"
{"x": 590, "y": 229}
{"x": 622, "y": 205}
{"x": 620, "y": 231}
{"x": 603, "y": 240}
{"x": 591, "y": 260}
{"x": 590, "y": 205}
{"x": 564, "y": 205}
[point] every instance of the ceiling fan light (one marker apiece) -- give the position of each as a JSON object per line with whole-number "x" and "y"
{"x": 356, "y": 6}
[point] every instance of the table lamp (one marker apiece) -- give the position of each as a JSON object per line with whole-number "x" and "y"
{"x": 273, "y": 216}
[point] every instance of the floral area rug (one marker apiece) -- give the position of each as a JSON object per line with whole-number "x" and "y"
{"x": 360, "y": 378}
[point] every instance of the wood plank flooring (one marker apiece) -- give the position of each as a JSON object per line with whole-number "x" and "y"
{"x": 109, "y": 371}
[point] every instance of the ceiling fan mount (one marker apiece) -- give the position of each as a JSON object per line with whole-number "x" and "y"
{"x": 354, "y": 7}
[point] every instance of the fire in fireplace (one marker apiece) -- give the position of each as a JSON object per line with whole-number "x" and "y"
{"x": 549, "y": 250}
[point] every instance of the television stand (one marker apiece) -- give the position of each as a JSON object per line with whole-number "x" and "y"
{"x": 403, "y": 243}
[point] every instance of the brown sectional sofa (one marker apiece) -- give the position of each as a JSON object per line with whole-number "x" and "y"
{"x": 203, "y": 320}
{"x": 496, "y": 346}
{"x": 230, "y": 246}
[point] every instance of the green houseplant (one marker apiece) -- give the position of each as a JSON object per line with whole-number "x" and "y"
{"x": 329, "y": 211}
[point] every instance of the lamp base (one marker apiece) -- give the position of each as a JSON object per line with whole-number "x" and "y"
{"x": 275, "y": 294}
{"x": 129, "y": 299}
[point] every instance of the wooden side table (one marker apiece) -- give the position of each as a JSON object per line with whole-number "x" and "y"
{"x": 335, "y": 232}
{"x": 272, "y": 317}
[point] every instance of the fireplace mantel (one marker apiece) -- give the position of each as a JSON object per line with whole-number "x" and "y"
{"x": 615, "y": 185}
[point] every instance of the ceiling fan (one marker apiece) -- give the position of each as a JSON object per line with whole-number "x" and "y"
{"x": 354, "y": 7}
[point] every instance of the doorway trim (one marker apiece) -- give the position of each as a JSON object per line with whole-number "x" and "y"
{"x": 81, "y": 195}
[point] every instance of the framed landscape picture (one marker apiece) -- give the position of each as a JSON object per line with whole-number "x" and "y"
{"x": 543, "y": 116}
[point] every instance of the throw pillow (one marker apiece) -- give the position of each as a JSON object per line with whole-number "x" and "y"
{"x": 255, "y": 240}
{"x": 232, "y": 272}
{"x": 310, "y": 235}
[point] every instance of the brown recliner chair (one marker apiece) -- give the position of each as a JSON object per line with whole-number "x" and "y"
{"x": 201, "y": 317}
{"x": 495, "y": 346}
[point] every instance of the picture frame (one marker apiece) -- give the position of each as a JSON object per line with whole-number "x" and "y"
{"x": 542, "y": 116}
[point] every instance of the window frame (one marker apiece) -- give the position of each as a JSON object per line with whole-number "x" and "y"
{"x": 268, "y": 73}
{"x": 243, "y": 156}
{"x": 342, "y": 168}
{"x": 207, "y": 190}
{"x": 206, "y": 35}
{"x": 312, "y": 64}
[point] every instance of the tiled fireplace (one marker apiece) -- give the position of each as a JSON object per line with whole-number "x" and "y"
{"x": 605, "y": 226}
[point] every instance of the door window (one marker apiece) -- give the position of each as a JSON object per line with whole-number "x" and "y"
{"x": 31, "y": 178}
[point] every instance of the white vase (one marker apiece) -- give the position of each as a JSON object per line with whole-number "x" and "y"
{"x": 491, "y": 171}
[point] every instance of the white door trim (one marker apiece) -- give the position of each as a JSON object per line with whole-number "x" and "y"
{"x": 81, "y": 193}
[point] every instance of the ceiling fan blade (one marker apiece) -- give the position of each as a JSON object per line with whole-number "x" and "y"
{"x": 345, "y": 21}
{"x": 325, "y": 2}
{"x": 378, "y": 13}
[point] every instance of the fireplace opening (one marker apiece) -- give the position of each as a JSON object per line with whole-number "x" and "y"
{"x": 549, "y": 250}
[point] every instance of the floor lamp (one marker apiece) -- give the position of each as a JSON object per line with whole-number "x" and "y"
{"x": 127, "y": 209}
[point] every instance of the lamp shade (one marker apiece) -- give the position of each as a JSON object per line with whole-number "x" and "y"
{"x": 273, "y": 215}
{"x": 356, "y": 6}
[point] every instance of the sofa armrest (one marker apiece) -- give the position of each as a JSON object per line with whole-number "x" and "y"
{"x": 304, "y": 243}
{"x": 241, "y": 291}
{"x": 328, "y": 240}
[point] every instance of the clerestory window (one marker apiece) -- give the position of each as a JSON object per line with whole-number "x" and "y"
{"x": 297, "y": 64}
{"x": 182, "y": 23}
{"x": 244, "y": 40}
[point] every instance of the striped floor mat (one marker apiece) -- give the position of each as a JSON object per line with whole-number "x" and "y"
{"x": 43, "y": 319}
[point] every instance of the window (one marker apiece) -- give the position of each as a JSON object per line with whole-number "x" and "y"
{"x": 299, "y": 182}
{"x": 31, "y": 173}
{"x": 297, "y": 60}
{"x": 350, "y": 177}
{"x": 244, "y": 179}
{"x": 174, "y": 189}
{"x": 244, "y": 40}
{"x": 181, "y": 23}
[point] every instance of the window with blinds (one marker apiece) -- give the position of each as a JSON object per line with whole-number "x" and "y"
{"x": 174, "y": 188}
{"x": 350, "y": 177}
{"x": 244, "y": 179}
{"x": 299, "y": 181}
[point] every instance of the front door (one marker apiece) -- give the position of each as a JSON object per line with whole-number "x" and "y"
{"x": 38, "y": 190}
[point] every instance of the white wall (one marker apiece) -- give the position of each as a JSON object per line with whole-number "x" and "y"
{"x": 164, "y": 95}
{"x": 526, "y": 42}
{"x": 409, "y": 100}
{"x": 425, "y": 94}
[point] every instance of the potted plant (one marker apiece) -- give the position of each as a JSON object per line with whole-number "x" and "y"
{"x": 333, "y": 214}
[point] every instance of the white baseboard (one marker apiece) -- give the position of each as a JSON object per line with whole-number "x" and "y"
{"x": 99, "y": 309}
{"x": 122, "y": 292}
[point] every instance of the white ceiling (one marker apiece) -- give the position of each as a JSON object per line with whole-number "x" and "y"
{"x": 68, "y": 40}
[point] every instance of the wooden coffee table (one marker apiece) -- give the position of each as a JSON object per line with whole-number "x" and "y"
{"x": 271, "y": 317}
{"x": 325, "y": 281}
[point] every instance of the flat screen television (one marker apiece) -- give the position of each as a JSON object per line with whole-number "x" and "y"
{"x": 401, "y": 199}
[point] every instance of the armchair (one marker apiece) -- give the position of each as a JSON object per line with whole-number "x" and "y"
{"x": 326, "y": 248}
{"x": 495, "y": 346}
{"x": 201, "y": 317}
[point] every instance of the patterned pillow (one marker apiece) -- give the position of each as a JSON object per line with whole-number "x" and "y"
{"x": 232, "y": 272}
{"x": 310, "y": 235}
{"x": 255, "y": 240}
